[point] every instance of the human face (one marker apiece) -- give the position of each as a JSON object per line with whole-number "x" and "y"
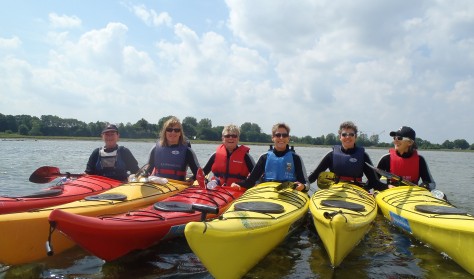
{"x": 110, "y": 139}
{"x": 230, "y": 141}
{"x": 403, "y": 145}
{"x": 348, "y": 138}
{"x": 281, "y": 138}
{"x": 172, "y": 134}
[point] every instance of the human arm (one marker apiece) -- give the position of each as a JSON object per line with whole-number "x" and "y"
{"x": 373, "y": 181}
{"x": 90, "y": 166}
{"x": 300, "y": 173}
{"x": 326, "y": 163}
{"x": 208, "y": 167}
{"x": 130, "y": 162}
{"x": 425, "y": 175}
{"x": 255, "y": 174}
{"x": 192, "y": 162}
{"x": 151, "y": 160}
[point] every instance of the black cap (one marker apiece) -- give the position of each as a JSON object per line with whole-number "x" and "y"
{"x": 406, "y": 132}
{"x": 110, "y": 128}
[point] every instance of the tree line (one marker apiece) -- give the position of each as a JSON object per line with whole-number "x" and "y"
{"x": 54, "y": 126}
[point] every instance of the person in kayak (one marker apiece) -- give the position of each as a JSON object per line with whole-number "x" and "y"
{"x": 111, "y": 160}
{"x": 348, "y": 161}
{"x": 278, "y": 164}
{"x": 231, "y": 162}
{"x": 403, "y": 160}
{"x": 172, "y": 155}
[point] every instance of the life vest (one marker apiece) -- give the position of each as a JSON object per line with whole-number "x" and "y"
{"x": 170, "y": 161}
{"x": 230, "y": 169}
{"x": 407, "y": 168}
{"x": 279, "y": 168}
{"x": 111, "y": 164}
{"x": 348, "y": 167}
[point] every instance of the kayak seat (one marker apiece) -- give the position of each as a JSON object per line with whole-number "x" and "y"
{"x": 40, "y": 194}
{"x": 343, "y": 204}
{"x": 261, "y": 207}
{"x": 436, "y": 209}
{"x": 113, "y": 197}
{"x": 172, "y": 206}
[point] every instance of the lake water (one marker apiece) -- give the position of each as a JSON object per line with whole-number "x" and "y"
{"x": 384, "y": 253}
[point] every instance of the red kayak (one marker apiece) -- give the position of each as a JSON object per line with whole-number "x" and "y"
{"x": 63, "y": 192}
{"x": 110, "y": 237}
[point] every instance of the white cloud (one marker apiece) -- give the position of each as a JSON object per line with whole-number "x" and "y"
{"x": 151, "y": 17}
{"x": 64, "y": 21}
{"x": 11, "y": 43}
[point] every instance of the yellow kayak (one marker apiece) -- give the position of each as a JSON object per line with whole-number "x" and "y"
{"x": 342, "y": 215}
{"x": 253, "y": 226}
{"x": 445, "y": 228}
{"x": 23, "y": 235}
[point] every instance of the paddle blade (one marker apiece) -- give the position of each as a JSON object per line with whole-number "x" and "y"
{"x": 326, "y": 179}
{"x": 200, "y": 177}
{"x": 44, "y": 174}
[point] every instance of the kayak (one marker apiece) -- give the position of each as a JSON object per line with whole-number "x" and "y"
{"x": 252, "y": 226}
{"x": 342, "y": 215}
{"x": 64, "y": 192}
{"x": 434, "y": 221}
{"x": 112, "y": 236}
{"x": 24, "y": 234}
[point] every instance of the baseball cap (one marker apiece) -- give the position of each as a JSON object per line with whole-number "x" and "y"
{"x": 404, "y": 131}
{"x": 110, "y": 128}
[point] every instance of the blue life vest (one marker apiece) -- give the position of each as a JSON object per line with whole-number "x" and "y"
{"x": 279, "y": 168}
{"x": 111, "y": 164}
{"x": 348, "y": 167}
{"x": 170, "y": 161}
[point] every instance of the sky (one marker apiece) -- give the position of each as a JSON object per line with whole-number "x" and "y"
{"x": 311, "y": 64}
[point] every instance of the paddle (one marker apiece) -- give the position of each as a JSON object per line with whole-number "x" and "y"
{"x": 389, "y": 175}
{"x": 326, "y": 179}
{"x": 286, "y": 185}
{"x": 47, "y": 174}
{"x": 436, "y": 193}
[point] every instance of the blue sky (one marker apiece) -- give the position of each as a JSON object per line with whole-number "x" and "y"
{"x": 311, "y": 64}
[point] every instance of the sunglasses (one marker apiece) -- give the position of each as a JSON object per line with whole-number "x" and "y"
{"x": 176, "y": 130}
{"x": 401, "y": 138}
{"x": 347, "y": 135}
{"x": 281, "y": 135}
{"x": 230, "y": 136}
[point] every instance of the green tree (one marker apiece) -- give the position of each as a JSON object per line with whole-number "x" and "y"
{"x": 330, "y": 139}
{"x": 461, "y": 144}
{"x": 23, "y": 130}
{"x": 448, "y": 144}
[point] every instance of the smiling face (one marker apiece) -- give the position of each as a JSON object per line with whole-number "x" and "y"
{"x": 230, "y": 141}
{"x": 281, "y": 138}
{"x": 401, "y": 144}
{"x": 348, "y": 138}
{"x": 173, "y": 133}
{"x": 110, "y": 139}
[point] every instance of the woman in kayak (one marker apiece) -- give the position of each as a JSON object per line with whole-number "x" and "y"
{"x": 403, "y": 160}
{"x": 171, "y": 155}
{"x": 348, "y": 161}
{"x": 231, "y": 162}
{"x": 278, "y": 164}
{"x": 111, "y": 160}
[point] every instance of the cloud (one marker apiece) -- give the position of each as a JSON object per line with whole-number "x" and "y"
{"x": 151, "y": 17}
{"x": 11, "y": 43}
{"x": 64, "y": 21}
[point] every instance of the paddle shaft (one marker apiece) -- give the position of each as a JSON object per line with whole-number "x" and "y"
{"x": 389, "y": 175}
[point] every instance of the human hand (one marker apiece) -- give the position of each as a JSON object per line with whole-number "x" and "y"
{"x": 391, "y": 186}
{"x": 299, "y": 186}
{"x": 235, "y": 185}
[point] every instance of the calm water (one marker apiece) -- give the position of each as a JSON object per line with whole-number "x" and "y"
{"x": 384, "y": 253}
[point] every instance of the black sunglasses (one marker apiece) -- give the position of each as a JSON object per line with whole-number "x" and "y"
{"x": 401, "y": 138}
{"x": 347, "y": 135}
{"x": 176, "y": 130}
{"x": 230, "y": 136}
{"x": 281, "y": 135}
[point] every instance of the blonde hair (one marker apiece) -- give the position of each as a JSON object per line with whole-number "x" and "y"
{"x": 280, "y": 125}
{"x": 231, "y": 129}
{"x": 172, "y": 122}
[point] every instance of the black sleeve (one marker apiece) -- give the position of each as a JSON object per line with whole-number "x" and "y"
{"x": 249, "y": 162}
{"x": 425, "y": 175}
{"x": 130, "y": 161}
{"x": 256, "y": 173}
{"x": 373, "y": 181}
{"x": 192, "y": 162}
{"x": 326, "y": 163}
{"x": 151, "y": 160}
{"x": 90, "y": 167}
{"x": 207, "y": 168}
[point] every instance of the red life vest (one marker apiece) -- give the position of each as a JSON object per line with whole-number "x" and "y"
{"x": 407, "y": 168}
{"x": 232, "y": 169}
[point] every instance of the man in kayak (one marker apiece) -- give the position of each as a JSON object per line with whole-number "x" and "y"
{"x": 278, "y": 164}
{"x": 111, "y": 160}
{"x": 172, "y": 155}
{"x": 231, "y": 162}
{"x": 403, "y": 160}
{"x": 348, "y": 161}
